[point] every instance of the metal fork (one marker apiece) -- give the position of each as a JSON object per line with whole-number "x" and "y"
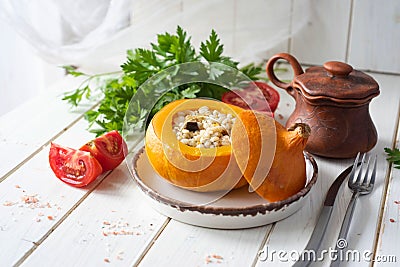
{"x": 359, "y": 186}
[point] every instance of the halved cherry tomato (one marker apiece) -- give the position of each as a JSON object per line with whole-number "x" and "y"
{"x": 108, "y": 149}
{"x": 74, "y": 167}
{"x": 250, "y": 98}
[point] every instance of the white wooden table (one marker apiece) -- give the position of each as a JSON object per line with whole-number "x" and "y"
{"x": 67, "y": 226}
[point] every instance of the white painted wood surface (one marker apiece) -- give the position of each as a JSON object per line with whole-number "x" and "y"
{"x": 375, "y": 35}
{"x": 388, "y": 245}
{"x": 73, "y": 235}
{"x": 23, "y": 132}
{"x": 26, "y": 224}
{"x": 92, "y": 238}
{"x": 324, "y": 37}
{"x": 184, "y": 245}
{"x": 364, "y": 33}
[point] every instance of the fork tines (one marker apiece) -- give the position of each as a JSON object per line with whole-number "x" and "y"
{"x": 361, "y": 179}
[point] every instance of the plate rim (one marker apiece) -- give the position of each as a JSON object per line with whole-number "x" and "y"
{"x": 205, "y": 209}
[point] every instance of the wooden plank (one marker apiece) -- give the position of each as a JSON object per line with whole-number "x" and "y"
{"x": 324, "y": 37}
{"x": 297, "y": 230}
{"x": 388, "y": 250}
{"x": 185, "y": 245}
{"x": 114, "y": 225}
{"x": 200, "y": 17}
{"x": 265, "y": 34}
{"x": 384, "y": 111}
{"x": 375, "y": 36}
{"x": 31, "y": 194}
{"x": 25, "y": 227}
{"x": 26, "y": 129}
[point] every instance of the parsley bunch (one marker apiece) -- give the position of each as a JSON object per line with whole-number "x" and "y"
{"x": 117, "y": 89}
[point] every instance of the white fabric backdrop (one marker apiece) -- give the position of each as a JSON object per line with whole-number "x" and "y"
{"x": 67, "y": 31}
{"x": 95, "y": 34}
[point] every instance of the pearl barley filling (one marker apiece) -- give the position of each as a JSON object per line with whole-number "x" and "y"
{"x": 203, "y": 128}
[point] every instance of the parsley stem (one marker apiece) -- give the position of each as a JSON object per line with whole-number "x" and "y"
{"x": 91, "y": 77}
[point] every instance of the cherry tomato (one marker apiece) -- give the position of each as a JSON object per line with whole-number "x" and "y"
{"x": 74, "y": 167}
{"x": 108, "y": 149}
{"x": 250, "y": 98}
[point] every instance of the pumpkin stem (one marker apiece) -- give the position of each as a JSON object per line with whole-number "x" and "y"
{"x": 302, "y": 129}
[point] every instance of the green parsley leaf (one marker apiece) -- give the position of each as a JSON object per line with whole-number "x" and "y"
{"x": 212, "y": 49}
{"x": 141, "y": 65}
{"x": 393, "y": 156}
{"x": 76, "y": 96}
{"x": 191, "y": 91}
{"x": 182, "y": 48}
{"x": 253, "y": 71}
{"x": 72, "y": 70}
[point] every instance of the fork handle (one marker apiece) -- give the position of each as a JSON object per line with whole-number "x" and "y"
{"x": 344, "y": 230}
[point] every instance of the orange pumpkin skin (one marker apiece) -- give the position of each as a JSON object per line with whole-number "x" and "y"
{"x": 197, "y": 169}
{"x": 276, "y": 169}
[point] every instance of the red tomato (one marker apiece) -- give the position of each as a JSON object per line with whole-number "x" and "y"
{"x": 250, "y": 97}
{"x": 74, "y": 167}
{"x": 108, "y": 149}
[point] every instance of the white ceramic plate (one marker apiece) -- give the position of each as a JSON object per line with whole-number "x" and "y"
{"x": 237, "y": 209}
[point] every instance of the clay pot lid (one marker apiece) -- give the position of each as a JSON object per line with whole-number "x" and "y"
{"x": 337, "y": 81}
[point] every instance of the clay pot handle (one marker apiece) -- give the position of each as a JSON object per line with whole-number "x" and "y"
{"x": 297, "y": 69}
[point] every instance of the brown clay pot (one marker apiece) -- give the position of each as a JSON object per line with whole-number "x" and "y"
{"x": 334, "y": 101}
